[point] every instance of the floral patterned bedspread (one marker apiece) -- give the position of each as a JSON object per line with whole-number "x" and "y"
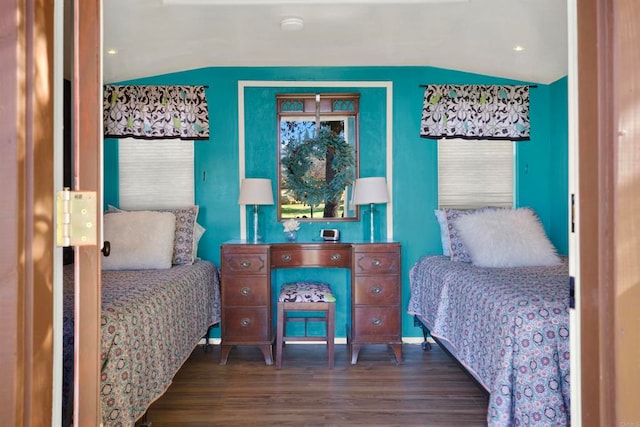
{"x": 151, "y": 322}
{"x": 509, "y": 327}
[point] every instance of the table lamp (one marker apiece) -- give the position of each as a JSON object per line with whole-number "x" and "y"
{"x": 370, "y": 191}
{"x": 255, "y": 191}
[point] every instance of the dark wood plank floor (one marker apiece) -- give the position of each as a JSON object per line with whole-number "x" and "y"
{"x": 427, "y": 389}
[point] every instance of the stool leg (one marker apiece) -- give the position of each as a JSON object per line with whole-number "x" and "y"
{"x": 279, "y": 334}
{"x": 331, "y": 331}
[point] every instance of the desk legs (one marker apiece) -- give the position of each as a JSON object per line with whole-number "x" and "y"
{"x": 266, "y": 349}
{"x": 397, "y": 350}
{"x": 354, "y": 351}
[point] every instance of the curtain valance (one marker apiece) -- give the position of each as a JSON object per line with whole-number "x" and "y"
{"x": 155, "y": 112}
{"x": 476, "y": 112}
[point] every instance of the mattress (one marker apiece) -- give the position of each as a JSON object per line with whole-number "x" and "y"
{"x": 508, "y": 326}
{"x": 151, "y": 320}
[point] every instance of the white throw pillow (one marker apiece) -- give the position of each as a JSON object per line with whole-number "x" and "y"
{"x": 198, "y": 231}
{"x": 506, "y": 238}
{"x": 188, "y": 232}
{"x": 139, "y": 240}
{"x": 444, "y": 231}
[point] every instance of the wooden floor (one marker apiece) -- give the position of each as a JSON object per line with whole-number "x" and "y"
{"x": 427, "y": 389}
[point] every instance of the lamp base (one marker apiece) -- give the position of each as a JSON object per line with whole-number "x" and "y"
{"x": 256, "y": 234}
{"x": 371, "y": 233}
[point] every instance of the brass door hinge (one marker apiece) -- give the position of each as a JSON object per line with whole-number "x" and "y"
{"x": 76, "y": 218}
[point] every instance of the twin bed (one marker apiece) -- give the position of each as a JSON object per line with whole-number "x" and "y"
{"x": 508, "y": 325}
{"x": 151, "y": 320}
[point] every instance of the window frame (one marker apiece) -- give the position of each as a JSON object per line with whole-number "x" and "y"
{"x": 325, "y": 107}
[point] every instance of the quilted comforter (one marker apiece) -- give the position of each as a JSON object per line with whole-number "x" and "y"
{"x": 508, "y": 326}
{"x": 151, "y": 321}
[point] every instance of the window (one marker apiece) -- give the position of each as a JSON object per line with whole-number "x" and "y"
{"x": 475, "y": 173}
{"x": 317, "y": 161}
{"x": 155, "y": 174}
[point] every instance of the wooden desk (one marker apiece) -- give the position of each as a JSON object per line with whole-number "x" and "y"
{"x": 247, "y": 301}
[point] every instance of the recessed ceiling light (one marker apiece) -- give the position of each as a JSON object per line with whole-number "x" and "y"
{"x": 518, "y": 48}
{"x": 292, "y": 23}
{"x": 112, "y": 51}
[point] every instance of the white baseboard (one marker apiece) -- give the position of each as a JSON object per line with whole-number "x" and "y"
{"x": 214, "y": 341}
{"x": 416, "y": 340}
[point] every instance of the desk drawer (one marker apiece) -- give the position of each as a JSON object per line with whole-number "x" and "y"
{"x": 376, "y": 323}
{"x": 245, "y": 324}
{"x": 376, "y": 263}
{"x": 328, "y": 256}
{"x": 244, "y": 263}
{"x": 245, "y": 291}
{"x": 376, "y": 290}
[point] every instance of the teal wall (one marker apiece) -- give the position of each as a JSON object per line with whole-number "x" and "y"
{"x": 541, "y": 163}
{"x": 559, "y": 153}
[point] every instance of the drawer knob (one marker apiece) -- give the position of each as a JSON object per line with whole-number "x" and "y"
{"x": 376, "y": 322}
{"x": 245, "y": 291}
{"x": 245, "y": 264}
{"x": 245, "y": 322}
{"x": 285, "y": 257}
{"x": 376, "y": 290}
{"x": 335, "y": 257}
{"x": 377, "y": 263}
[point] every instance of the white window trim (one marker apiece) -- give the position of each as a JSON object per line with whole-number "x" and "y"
{"x": 387, "y": 85}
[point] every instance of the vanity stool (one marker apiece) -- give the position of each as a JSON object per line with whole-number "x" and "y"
{"x": 304, "y": 296}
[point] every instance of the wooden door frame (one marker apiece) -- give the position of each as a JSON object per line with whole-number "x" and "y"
{"x": 597, "y": 210}
{"x": 593, "y": 210}
{"x": 27, "y": 212}
{"x": 626, "y": 202}
{"x": 26, "y": 216}
{"x": 87, "y": 176}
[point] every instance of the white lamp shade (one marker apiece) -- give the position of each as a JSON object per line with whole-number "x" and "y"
{"x": 370, "y": 190}
{"x": 255, "y": 191}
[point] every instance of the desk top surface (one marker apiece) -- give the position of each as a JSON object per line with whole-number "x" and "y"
{"x": 241, "y": 255}
{"x": 306, "y": 242}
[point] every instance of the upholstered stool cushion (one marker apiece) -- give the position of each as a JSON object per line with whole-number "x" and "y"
{"x": 306, "y": 292}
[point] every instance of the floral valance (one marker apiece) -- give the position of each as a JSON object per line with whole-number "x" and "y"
{"x": 476, "y": 112}
{"x": 156, "y": 112}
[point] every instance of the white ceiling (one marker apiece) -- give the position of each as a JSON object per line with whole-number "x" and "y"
{"x": 154, "y": 37}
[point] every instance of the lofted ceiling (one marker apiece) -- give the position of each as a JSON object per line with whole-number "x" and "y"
{"x": 161, "y": 36}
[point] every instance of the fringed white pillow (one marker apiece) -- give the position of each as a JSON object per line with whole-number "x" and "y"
{"x": 444, "y": 231}
{"x": 506, "y": 238}
{"x": 139, "y": 240}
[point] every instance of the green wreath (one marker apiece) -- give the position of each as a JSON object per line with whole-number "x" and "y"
{"x": 297, "y": 161}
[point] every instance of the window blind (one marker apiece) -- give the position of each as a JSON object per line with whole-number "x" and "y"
{"x": 155, "y": 174}
{"x": 475, "y": 173}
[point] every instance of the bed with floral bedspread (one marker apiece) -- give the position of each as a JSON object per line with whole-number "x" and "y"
{"x": 508, "y": 326}
{"x": 151, "y": 321}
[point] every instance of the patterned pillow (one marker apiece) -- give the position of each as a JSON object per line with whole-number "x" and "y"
{"x": 458, "y": 250}
{"x": 184, "y": 245}
{"x": 185, "y": 226}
